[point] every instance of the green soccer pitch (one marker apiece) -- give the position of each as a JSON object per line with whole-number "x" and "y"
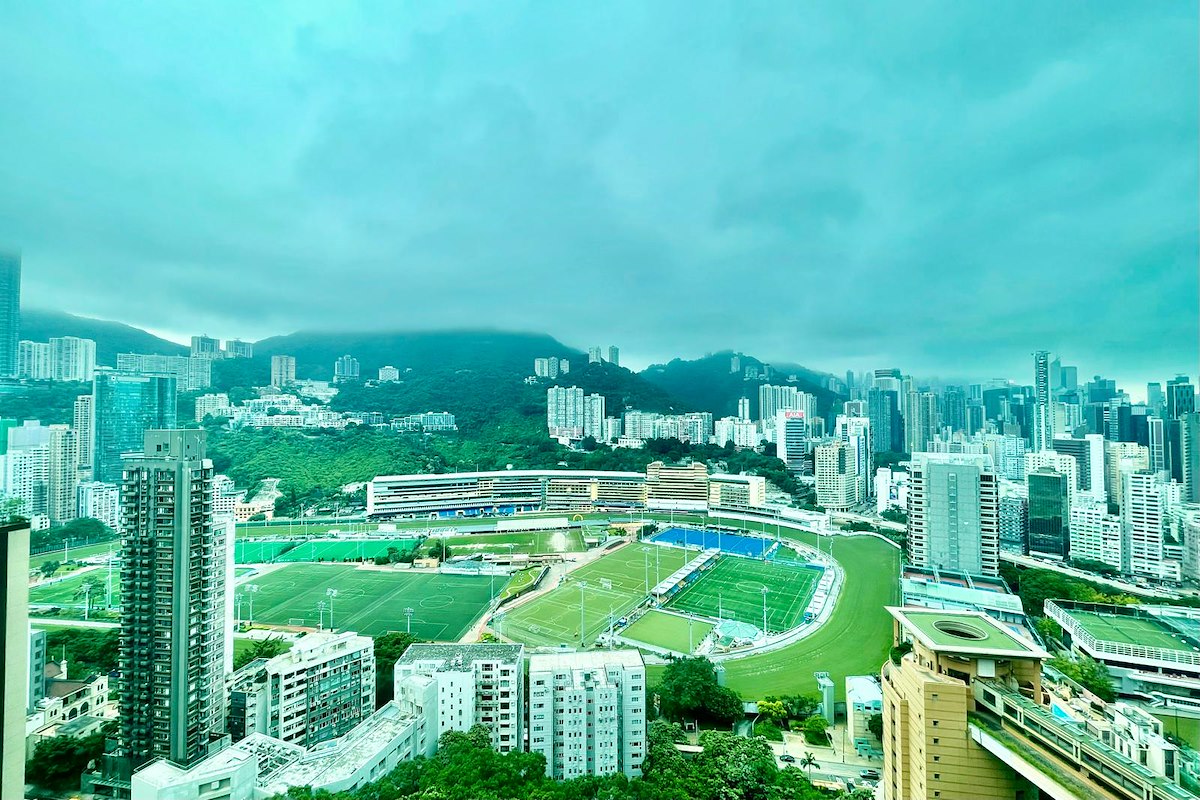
{"x": 733, "y": 589}
{"x": 615, "y": 584}
{"x": 66, "y": 591}
{"x": 676, "y": 633}
{"x": 371, "y": 601}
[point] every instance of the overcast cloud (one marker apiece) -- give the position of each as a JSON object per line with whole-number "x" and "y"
{"x": 942, "y": 187}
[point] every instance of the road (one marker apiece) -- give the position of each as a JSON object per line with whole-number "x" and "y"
{"x": 1133, "y": 589}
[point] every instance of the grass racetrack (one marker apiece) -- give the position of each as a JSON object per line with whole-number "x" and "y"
{"x": 669, "y": 631}
{"x": 854, "y": 641}
{"x": 371, "y": 601}
{"x": 553, "y": 618}
{"x": 733, "y": 589}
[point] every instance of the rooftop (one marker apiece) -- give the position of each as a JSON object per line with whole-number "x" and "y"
{"x": 597, "y": 659}
{"x": 462, "y": 653}
{"x": 967, "y": 632}
{"x": 862, "y": 688}
{"x": 1144, "y": 630}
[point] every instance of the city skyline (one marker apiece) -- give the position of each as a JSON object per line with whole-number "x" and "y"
{"x": 820, "y": 185}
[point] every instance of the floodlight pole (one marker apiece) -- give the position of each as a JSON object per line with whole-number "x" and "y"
{"x": 582, "y": 586}
{"x": 331, "y": 593}
{"x": 321, "y": 615}
{"x": 764, "y": 594}
{"x": 108, "y": 587}
{"x": 252, "y": 589}
{"x": 408, "y": 614}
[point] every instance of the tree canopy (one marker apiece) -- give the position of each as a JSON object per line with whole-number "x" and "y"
{"x": 689, "y": 690}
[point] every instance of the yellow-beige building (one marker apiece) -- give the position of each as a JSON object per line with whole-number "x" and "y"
{"x": 928, "y": 751}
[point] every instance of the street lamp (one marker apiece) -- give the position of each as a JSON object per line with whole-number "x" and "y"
{"x": 646, "y": 563}
{"x": 331, "y": 593}
{"x": 320, "y": 615}
{"x": 252, "y": 589}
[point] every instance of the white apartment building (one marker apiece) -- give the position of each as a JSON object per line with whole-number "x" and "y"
{"x": 72, "y": 358}
{"x": 587, "y": 712}
{"x": 62, "y": 474}
{"x": 954, "y": 513}
{"x": 1143, "y": 521}
{"x": 564, "y": 412}
{"x": 83, "y": 431}
{"x": 1120, "y": 459}
{"x": 191, "y": 373}
{"x": 737, "y": 491}
{"x": 33, "y": 360}
{"x": 388, "y": 373}
{"x": 593, "y": 416}
{"x": 791, "y": 439}
{"x": 773, "y": 399}
{"x": 1095, "y": 534}
{"x": 1008, "y": 455}
{"x": 891, "y": 489}
{"x": 283, "y": 371}
{"x": 455, "y": 686}
{"x": 320, "y": 689}
{"x": 25, "y": 472}
{"x": 100, "y": 501}
{"x": 837, "y": 476}
{"x": 214, "y": 405}
{"x": 742, "y": 432}
{"x": 856, "y": 433}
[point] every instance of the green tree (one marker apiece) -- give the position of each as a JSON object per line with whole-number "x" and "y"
{"x": 875, "y": 726}
{"x": 773, "y": 710}
{"x": 814, "y": 729}
{"x": 48, "y": 568}
{"x": 1087, "y": 672}
{"x": 808, "y": 762}
{"x": 58, "y": 762}
{"x": 89, "y": 591}
{"x": 388, "y": 649}
{"x": 689, "y": 690}
{"x": 262, "y": 648}
{"x": 895, "y": 514}
{"x": 88, "y": 650}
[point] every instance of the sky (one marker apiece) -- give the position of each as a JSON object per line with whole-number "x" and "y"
{"x": 940, "y": 187}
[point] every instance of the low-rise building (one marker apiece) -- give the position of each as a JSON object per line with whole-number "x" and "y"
{"x": 959, "y": 591}
{"x": 456, "y": 686}
{"x": 864, "y": 699}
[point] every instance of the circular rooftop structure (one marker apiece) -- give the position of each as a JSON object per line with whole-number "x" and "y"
{"x": 729, "y": 631}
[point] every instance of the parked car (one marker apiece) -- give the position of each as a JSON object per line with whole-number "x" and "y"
{"x": 869, "y": 774}
{"x": 788, "y": 758}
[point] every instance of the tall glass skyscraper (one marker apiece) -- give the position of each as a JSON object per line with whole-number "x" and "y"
{"x": 10, "y": 312}
{"x": 1049, "y": 512}
{"x": 124, "y": 406}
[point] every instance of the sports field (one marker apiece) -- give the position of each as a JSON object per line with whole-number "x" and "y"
{"x": 264, "y": 551}
{"x": 615, "y": 584}
{"x": 64, "y": 592}
{"x": 534, "y": 543}
{"x": 854, "y": 641}
{"x": 1129, "y": 630}
{"x": 733, "y": 589}
{"x": 668, "y": 630}
{"x": 371, "y": 601}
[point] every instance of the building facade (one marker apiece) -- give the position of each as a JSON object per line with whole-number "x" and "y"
{"x": 173, "y": 575}
{"x": 10, "y": 312}
{"x": 454, "y": 687}
{"x": 587, "y": 712}
{"x": 125, "y": 406}
{"x": 14, "y": 652}
{"x": 283, "y": 371}
{"x": 953, "y": 513}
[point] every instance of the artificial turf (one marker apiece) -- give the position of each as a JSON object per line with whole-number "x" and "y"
{"x": 733, "y": 589}
{"x": 658, "y": 628}
{"x": 370, "y": 601}
{"x": 532, "y": 543}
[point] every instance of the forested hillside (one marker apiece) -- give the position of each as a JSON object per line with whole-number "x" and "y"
{"x": 111, "y": 337}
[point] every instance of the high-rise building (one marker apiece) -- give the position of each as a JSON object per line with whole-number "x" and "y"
{"x": 920, "y": 421}
{"x": 614, "y": 355}
{"x": 345, "y": 368}
{"x": 205, "y": 347}
{"x": 236, "y": 348}
{"x": 593, "y": 416}
{"x": 791, "y": 439}
{"x": 1189, "y": 459}
{"x": 594, "y": 356}
{"x": 62, "y": 474}
{"x": 457, "y": 686}
{"x": 1014, "y": 519}
{"x": 954, "y": 409}
{"x": 1095, "y": 534}
{"x": 173, "y": 574}
{"x": 856, "y": 433}
{"x": 1181, "y": 397}
{"x": 14, "y": 655}
{"x": 930, "y": 700}
{"x": 124, "y": 406}
{"x": 1049, "y": 512}
{"x": 34, "y": 362}
{"x": 1061, "y": 463}
{"x": 887, "y": 430}
{"x": 10, "y": 312}
{"x": 388, "y": 374}
{"x": 953, "y": 513}
{"x": 1143, "y": 524}
{"x": 1089, "y": 461}
{"x": 99, "y": 501}
{"x": 1043, "y": 403}
{"x": 316, "y": 691}
{"x": 72, "y": 358}
{"x": 82, "y": 423}
{"x": 1156, "y": 441}
{"x": 564, "y": 412}
{"x": 587, "y": 712}
{"x": 212, "y": 405}
{"x": 26, "y": 466}
{"x": 1120, "y": 459}
{"x": 191, "y": 373}
{"x": 283, "y": 371}
{"x": 837, "y": 476}
{"x": 743, "y": 409}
